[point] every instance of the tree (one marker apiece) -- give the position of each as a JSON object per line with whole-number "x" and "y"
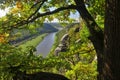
{"x": 22, "y": 15}
{"x": 112, "y": 44}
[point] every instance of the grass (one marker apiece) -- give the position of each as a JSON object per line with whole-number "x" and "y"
{"x": 33, "y": 42}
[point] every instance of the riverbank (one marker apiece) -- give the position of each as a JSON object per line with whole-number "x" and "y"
{"x": 32, "y": 42}
{"x": 58, "y": 37}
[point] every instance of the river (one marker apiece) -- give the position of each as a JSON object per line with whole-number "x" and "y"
{"x": 45, "y": 46}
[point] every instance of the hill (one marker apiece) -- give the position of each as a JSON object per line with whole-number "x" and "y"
{"x": 47, "y": 28}
{"x": 23, "y": 34}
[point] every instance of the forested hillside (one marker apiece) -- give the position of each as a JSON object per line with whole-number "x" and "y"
{"x": 21, "y": 35}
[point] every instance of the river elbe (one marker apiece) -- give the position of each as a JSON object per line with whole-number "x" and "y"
{"x": 45, "y": 46}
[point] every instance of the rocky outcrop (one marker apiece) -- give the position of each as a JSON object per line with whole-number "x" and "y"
{"x": 64, "y": 38}
{"x": 62, "y": 47}
{"x": 64, "y": 42}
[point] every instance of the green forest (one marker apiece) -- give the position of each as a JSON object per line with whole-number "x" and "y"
{"x": 86, "y": 45}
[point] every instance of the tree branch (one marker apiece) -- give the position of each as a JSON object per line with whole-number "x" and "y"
{"x": 53, "y": 12}
{"x": 23, "y": 22}
{"x": 37, "y": 8}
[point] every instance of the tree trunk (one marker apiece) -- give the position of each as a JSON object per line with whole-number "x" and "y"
{"x": 112, "y": 40}
{"x": 96, "y": 35}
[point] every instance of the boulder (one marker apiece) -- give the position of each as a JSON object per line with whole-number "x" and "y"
{"x": 64, "y": 38}
{"x": 57, "y": 50}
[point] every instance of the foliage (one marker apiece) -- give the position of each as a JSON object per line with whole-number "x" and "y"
{"x": 6, "y": 57}
{"x": 100, "y": 21}
{"x": 84, "y": 32}
{"x": 82, "y": 71}
{"x": 25, "y": 61}
{"x": 3, "y": 37}
{"x": 97, "y": 9}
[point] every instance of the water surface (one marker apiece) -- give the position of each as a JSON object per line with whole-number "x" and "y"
{"x": 44, "y": 47}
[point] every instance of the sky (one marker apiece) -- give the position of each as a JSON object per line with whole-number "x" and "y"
{"x": 75, "y": 16}
{"x": 3, "y": 12}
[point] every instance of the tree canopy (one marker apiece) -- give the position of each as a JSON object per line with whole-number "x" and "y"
{"x": 26, "y": 11}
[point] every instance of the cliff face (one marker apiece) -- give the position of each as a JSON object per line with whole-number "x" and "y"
{"x": 64, "y": 43}
{"x": 65, "y": 40}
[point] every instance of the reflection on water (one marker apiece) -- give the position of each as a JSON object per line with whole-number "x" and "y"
{"x": 44, "y": 47}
